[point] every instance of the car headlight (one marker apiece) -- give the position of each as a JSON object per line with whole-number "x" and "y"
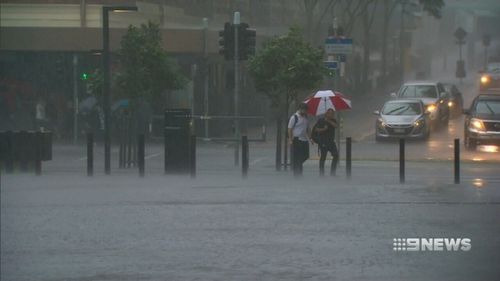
{"x": 450, "y": 104}
{"x": 419, "y": 122}
{"x": 431, "y": 108}
{"x": 485, "y": 79}
{"x": 381, "y": 122}
{"x": 476, "y": 124}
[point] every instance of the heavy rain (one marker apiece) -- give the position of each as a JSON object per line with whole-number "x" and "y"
{"x": 249, "y": 140}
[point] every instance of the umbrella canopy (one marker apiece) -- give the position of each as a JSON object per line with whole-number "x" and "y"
{"x": 123, "y": 103}
{"x": 87, "y": 104}
{"x": 321, "y": 101}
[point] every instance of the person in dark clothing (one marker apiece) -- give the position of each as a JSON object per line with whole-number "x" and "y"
{"x": 299, "y": 136}
{"x": 325, "y": 130}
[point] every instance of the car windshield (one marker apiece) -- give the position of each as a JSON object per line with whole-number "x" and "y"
{"x": 400, "y": 108}
{"x": 493, "y": 67}
{"x": 418, "y": 91}
{"x": 488, "y": 107}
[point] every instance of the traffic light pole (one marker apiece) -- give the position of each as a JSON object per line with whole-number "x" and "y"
{"x": 236, "y": 90}
{"x": 75, "y": 98}
{"x": 106, "y": 89}
{"x": 205, "y": 71}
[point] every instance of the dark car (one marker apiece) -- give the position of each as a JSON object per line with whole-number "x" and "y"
{"x": 490, "y": 77}
{"x": 456, "y": 100}
{"x": 482, "y": 121}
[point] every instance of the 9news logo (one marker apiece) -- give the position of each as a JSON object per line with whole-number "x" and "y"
{"x": 431, "y": 244}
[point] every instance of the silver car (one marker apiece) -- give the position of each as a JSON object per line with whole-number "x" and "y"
{"x": 434, "y": 97}
{"x": 403, "y": 118}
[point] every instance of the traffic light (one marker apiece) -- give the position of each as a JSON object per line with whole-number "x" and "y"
{"x": 226, "y": 41}
{"x": 84, "y": 76}
{"x": 246, "y": 41}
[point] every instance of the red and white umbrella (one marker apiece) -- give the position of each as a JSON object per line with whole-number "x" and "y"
{"x": 321, "y": 101}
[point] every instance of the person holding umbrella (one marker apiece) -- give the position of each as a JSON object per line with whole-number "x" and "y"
{"x": 299, "y": 135}
{"x": 326, "y": 103}
{"x": 324, "y": 133}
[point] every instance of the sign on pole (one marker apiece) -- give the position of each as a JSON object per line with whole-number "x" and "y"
{"x": 331, "y": 64}
{"x": 338, "y": 46}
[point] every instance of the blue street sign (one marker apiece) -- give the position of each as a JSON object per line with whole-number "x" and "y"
{"x": 332, "y": 64}
{"x": 338, "y": 45}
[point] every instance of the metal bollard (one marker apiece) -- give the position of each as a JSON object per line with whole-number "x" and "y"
{"x": 457, "y": 161}
{"x": 9, "y": 163}
{"x": 244, "y": 156}
{"x": 348, "y": 160}
{"x": 129, "y": 147}
{"x": 38, "y": 153}
{"x": 90, "y": 154}
{"x": 192, "y": 154}
{"x": 134, "y": 153}
{"x": 24, "y": 142}
{"x": 401, "y": 160}
{"x": 121, "y": 152}
{"x": 278, "y": 145}
{"x": 165, "y": 151}
{"x": 140, "y": 154}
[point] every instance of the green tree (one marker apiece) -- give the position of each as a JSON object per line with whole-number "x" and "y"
{"x": 285, "y": 67}
{"x": 145, "y": 68}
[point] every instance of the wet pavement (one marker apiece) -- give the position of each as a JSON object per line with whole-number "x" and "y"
{"x": 66, "y": 226}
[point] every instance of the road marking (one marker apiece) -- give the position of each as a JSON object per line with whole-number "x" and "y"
{"x": 83, "y": 158}
{"x": 257, "y": 161}
{"x": 364, "y": 137}
{"x": 153, "y": 155}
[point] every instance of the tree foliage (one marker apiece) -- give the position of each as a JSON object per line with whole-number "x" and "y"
{"x": 145, "y": 68}
{"x": 432, "y": 7}
{"x": 286, "y": 66}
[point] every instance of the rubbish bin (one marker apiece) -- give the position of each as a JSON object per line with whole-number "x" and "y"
{"x": 19, "y": 147}
{"x": 177, "y": 129}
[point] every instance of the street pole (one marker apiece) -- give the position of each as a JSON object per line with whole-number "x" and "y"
{"x": 236, "y": 22}
{"x": 106, "y": 80}
{"x": 485, "y": 57}
{"x": 205, "y": 72}
{"x": 401, "y": 44}
{"x": 336, "y": 84}
{"x": 460, "y": 52}
{"x": 75, "y": 98}
{"x": 106, "y": 89}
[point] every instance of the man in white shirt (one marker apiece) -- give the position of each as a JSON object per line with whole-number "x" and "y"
{"x": 299, "y": 135}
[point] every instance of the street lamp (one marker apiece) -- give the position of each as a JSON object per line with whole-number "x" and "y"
{"x": 106, "y": 79}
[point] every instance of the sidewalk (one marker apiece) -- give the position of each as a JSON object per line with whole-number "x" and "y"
{"x": 219, "y": 227}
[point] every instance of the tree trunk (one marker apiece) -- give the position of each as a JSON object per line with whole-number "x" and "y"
{"x": 366, "y": 55}
{"x": 285, "y": 157}
{"x": 366, "y": 63}
{"x": 385, "y": 30}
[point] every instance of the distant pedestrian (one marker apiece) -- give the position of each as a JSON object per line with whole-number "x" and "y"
{"x": 40, "y": 116}
{"x": 299, "y": 135}
{"x": 324, "y": 135}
